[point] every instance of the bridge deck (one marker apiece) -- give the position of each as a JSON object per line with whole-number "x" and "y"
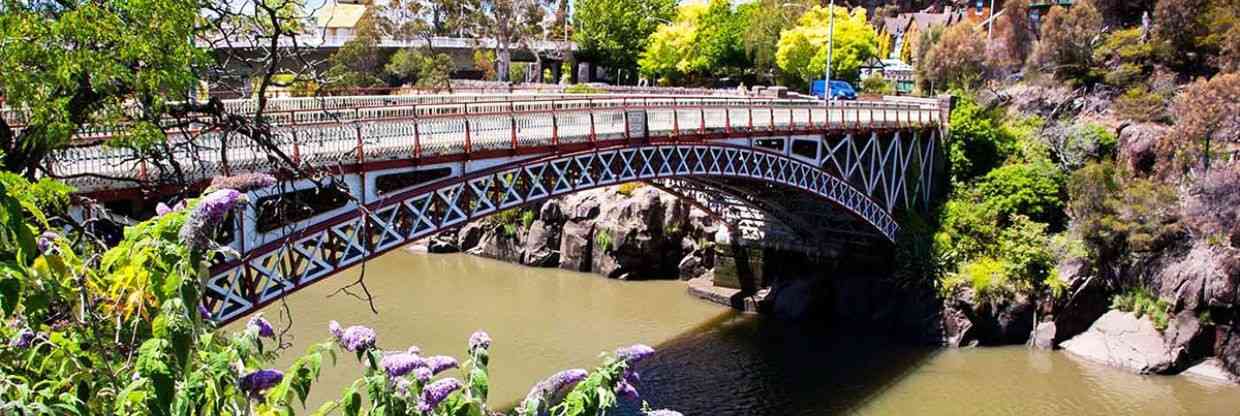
{"x": 352, "y": 131}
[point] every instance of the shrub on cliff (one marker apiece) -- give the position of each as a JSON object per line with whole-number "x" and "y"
{"x": 1207, "y": 126}
{"x": 1069, "y": 37}
{"x": 1014, "y": 37}
{"x": 1034, "y": 190}
{"x": 1116, "y": 216}
{"x": 977, "y": 143}
{"x": 958, "y": 60}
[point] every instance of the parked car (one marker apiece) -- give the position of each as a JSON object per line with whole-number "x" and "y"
{"x": 840, "y": 90}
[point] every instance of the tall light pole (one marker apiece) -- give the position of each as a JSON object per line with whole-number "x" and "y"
{"x": 826, "y": 83}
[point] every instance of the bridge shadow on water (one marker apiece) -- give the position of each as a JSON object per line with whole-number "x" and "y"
{"x": 752, "y": 365}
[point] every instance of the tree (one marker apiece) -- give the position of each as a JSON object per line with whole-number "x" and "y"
{"x": 80, "y": 62}
{"x": 765, "y": 20}
{"x": 925, "y": 42}
{"x": 1013, "y": 37}
{"x": 1069, "y": 37}
{"x": 958, "y": 60}
{"x": 613, "y": 33}
{"x": 703, "y": 41}
{"x": 510, "y": 23}
{"x": 803, "y": 49}
{"x": 359, "y": 62}
{"x": 1207, "y": 127}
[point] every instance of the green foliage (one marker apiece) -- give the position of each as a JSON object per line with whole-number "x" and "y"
{"x": 627, "y": 189}
{"x": 803, "y": 49}
{"x": 1035, "y": 190}
{"x": 603, "y": 241}
{"x": 1069, "y": 37}
{"x": 958, "y": 60}
{"x": 135, "y": 53}
{"x": 1082, "y": 143}
{"x": 1129, "y": 56}
{"x": 878, "y": 85}
{"x": 583, "y": 89}
{"x": 1141, "y": 105}
{"x": 764, "y": 21}
{"x": 412, "y": 67}
{"x": 613, "y": 33}
{"x": 1020, "y": 261}
{"x": 977, "y": 144}
{"x": 1115, "y": 216}
{"x": 704, "y": 39}
{"x": 508, "y": 220}
{"x": 527, "y": 219}
{"x": 1142, "y": 302}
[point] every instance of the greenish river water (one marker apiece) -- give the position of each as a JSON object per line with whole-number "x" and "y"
{"x": 711, "y": 361}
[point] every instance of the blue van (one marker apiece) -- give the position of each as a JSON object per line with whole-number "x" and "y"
{"x": 840, "y": 90}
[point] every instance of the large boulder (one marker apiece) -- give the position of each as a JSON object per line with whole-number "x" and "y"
{"x": 469, "y": 235}
{"x": 1227, "y": 348}
{"x": 968, "y": 320}
{"x": 576, "y": 246}
{"x": 542, "y": 245}
{"x": 1205, "y": 277}
{"x": 1137, "y": 146}
{"x": 1122, "y": 340}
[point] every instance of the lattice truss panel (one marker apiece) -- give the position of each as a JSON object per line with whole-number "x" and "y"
{"x": 268, "y": 272}
{"x": 894, "y": 168}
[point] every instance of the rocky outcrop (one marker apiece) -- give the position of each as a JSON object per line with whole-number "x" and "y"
{"x": 1137, "y": 146}
{"x": 1211, "y": 369}
{"x": 1121, "y": 339}
{"x": 647, "y": 234}
{"x": 968, "y": 321}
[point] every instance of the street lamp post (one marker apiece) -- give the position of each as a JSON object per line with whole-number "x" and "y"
{"x": 826, "y": 83}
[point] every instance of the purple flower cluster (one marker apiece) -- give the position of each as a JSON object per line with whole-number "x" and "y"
{"x": 436, "y": 392}
{"x": 552, "y": 385}
{"x": 245, "y": 182}
{"x": 23, "y": 339}
{"x": 478, "y": 340}
{"x": 162, "y": 209}
{"x": 47, "y": 242}
{"x": 422, "y": 374}
{"x": 211, "y": 209}
{"x": 261, "y": 326}
{"x": 400, "y": 363}
{"x": 334, "y": 328}
{"x": 355, "y": 338}
{"x": 260, "y": 380}
{"x": 402, "y": 387}
{"x": 634, "y": 354}
{"x": 626, "y": 390}
{"x": 440, "y": 363}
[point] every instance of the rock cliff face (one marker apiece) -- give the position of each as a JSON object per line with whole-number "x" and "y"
{"x": 645, "y": 235}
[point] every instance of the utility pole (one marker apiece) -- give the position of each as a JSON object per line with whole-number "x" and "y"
{"x": 990, "y": 28}
{"x": 826, "y": 87}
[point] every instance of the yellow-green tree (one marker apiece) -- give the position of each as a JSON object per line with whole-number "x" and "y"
{"x": 803, "y": 49}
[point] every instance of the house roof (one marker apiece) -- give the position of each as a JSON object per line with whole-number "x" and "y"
{"x": 337, "y": 15}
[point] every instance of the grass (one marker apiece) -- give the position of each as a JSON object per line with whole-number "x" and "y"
{"x": 602, "y": 239}
{"x": 627, "y": 189}
{"x": 1141, "y": 302}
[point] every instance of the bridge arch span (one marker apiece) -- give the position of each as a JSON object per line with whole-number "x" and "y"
{"x": 275, "y": 263}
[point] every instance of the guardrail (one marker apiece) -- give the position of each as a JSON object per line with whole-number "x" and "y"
{"x": 479, "y": 130}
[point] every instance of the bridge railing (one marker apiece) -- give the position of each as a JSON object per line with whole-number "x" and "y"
{"x": 476, "y": 130}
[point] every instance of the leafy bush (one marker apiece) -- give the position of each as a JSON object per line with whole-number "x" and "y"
{"x": 1034, "y": 190}
{"x": 627, "y": 189}
{"x": 878, "y": 85}
{"x": 124, "y": 333}
{"x": 583, "y": 89}
{"x": 1069, "y": 37}
{"x": 977, "y": 144}
{"x": 602, "y": 240}
{"x": 1141, "y": 302}
{"x": 1081, "y": 143}
{"x": 1114, "y": 217}
{"x": 1141, "y": 105}
{"x": 1207, "y": 128}
{"x": 1130, "y": 56}
{"x": 958, "y": 60}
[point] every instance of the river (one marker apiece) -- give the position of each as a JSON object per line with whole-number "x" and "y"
{"x": 711, "y": 361}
